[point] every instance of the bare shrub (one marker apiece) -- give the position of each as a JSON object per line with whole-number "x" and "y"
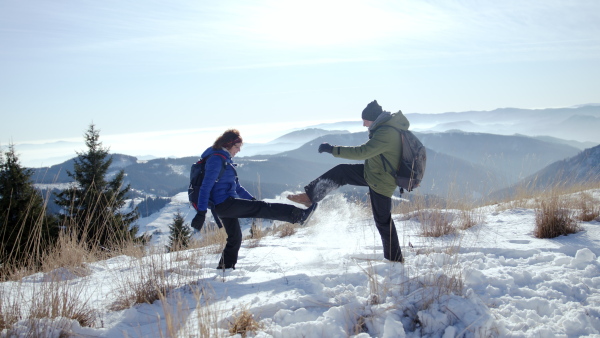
{"x": 589, "y": 208}
{"x": 147, "y": 283}
{"x": 71, "y": 254}
{"x": 213, "y": 239}
{"x": 48, "y": 307}
{"x": 553, "y": 218}
{"x": 469, "y": 218}
{"x": 256, "y": 234}
{"x": 207, "y": 314}
{"x": 435, "y": 223}
{"x": 244, "y": 322}
{"x": 10, "y": 310}
{"x": 361, "y": 324}
{"x": 59, "y": 298}
{"x": 285, "y": 230}
{"x": 377, "y": 290}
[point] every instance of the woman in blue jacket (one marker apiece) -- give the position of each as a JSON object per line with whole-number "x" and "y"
{"x": 230, "y": 201}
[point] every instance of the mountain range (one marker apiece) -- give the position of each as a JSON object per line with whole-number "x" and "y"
{"x": 580, "y": 123}
{"x": 459, "y": 165}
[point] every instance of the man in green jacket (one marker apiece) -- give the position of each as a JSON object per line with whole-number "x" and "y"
{"x": 374, "y": 173}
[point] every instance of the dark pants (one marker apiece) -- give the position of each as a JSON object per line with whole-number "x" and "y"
{"x": 353, "y": 174}
{"x": 234, "y": 208}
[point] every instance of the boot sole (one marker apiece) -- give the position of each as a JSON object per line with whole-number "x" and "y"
{"x": 314, "y": 207}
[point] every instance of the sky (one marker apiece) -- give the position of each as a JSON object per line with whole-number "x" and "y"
{"x": 155, "y": 67}
{"x": 308, "y": 285}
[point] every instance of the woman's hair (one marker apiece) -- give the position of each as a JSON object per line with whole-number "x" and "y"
{"x": 228, "y": 139}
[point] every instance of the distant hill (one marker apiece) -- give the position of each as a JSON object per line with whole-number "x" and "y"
{"x": 579, "y": 123}
{"x": 58, "y": 173}
{"x": 577, "y": 170}
{"x": 575, "y": 144}
{"x": 286, "y": 142}
{"x": 513, "y": 157}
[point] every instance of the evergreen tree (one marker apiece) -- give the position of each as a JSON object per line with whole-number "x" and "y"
{"x": 181, "y": 234}
{"x": 92, "y": 206}
{"x": 26, "y": 231}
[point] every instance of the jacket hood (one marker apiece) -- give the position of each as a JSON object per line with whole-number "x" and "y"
{"x": 397, "y": 120}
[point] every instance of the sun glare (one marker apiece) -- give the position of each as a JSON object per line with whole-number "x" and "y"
{"x": 319, "y": 23}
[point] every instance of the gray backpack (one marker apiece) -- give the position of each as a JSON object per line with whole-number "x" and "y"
{"x": 409, "y": 172}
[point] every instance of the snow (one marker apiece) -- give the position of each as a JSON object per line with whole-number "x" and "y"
{"x": 330, "y": 280}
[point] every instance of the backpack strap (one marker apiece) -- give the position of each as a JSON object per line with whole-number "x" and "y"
{"x": 223, "y": 167}
{"x": 387, "y": 163}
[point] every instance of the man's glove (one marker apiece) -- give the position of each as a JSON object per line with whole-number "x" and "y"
{"x": 198, "y": 220}
{"x": 325, "y": 148}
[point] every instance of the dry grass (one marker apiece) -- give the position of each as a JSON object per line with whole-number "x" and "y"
{"x": 213, "y": 239}
{"x": 15, "y": 265}
{"x": 147, "y": 282}
{"x": 589, "y": 207}
{"x": 436, "y": 222}
{"x": 554, "y": 217}
{"x": 71, "y": 254}
{"x": 285, "y": 230}
{"x": 62, "y": 299}
{"x": 434, "y": 218}
{"x": 47, "y": 306}
{"x": 256, "y": 234}
{"x": 243, "y": 323}
{"x": 470, "y": 217}
{"x": 10, "y": 310}
{"x": 207, "y": 313}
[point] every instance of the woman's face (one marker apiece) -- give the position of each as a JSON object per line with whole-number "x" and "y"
{"x": 235, "y": 149}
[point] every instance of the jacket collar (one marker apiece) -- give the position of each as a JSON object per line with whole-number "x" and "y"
{"x": 381, "y": 119}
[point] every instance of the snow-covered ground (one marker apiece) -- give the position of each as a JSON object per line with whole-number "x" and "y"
{"x": 329, "y": 280}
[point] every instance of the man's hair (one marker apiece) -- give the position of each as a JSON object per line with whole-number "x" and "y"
{"x": 228, "y": 139}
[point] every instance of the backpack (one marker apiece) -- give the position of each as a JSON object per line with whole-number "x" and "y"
{"x": 197, "y": 172}
{"x": 411, "y": 169}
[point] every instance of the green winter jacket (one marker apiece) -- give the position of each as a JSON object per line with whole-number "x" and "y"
{"x": 384, "y": 141}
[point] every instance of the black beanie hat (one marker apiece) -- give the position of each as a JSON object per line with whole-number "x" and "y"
{"x": 372, "y": 111}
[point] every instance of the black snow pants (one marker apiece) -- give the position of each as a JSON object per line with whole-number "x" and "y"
{"x": 233, "y": 208}
{"x": 353, "y": 174}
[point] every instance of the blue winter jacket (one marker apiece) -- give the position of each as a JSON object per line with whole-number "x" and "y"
{"x": 227, "y": 186}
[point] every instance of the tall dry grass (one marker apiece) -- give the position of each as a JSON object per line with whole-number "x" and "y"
{"x": 553, "y": 218}
{"x": 54, "y": 298}
{"x": 47, "y": 306}
{"x": 30, "y": 254}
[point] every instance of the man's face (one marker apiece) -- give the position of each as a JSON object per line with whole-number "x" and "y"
{"x": 367, "y": 123}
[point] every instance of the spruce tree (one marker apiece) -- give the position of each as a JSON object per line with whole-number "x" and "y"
{"x": 181, "y": 234}
{"x": 26, "y": 230}
{"x": 92, "y": 205}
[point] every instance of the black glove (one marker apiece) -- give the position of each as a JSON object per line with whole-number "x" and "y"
{"x": 198, "y": 220}
{"x": 325, "y": 148}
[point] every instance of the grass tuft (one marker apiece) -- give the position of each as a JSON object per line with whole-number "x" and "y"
{"x": 243, "y": 323}
{"x": 554, "y": 218}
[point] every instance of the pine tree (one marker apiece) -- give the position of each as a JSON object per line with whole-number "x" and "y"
{"x": 92, "y": 206}
{"x": 26, "y": 230}
{"x": 181, "y": 234}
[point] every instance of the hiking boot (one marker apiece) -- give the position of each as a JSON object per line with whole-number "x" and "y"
{"x": 300, "y": 198}
{"x": 307, "y": 214}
